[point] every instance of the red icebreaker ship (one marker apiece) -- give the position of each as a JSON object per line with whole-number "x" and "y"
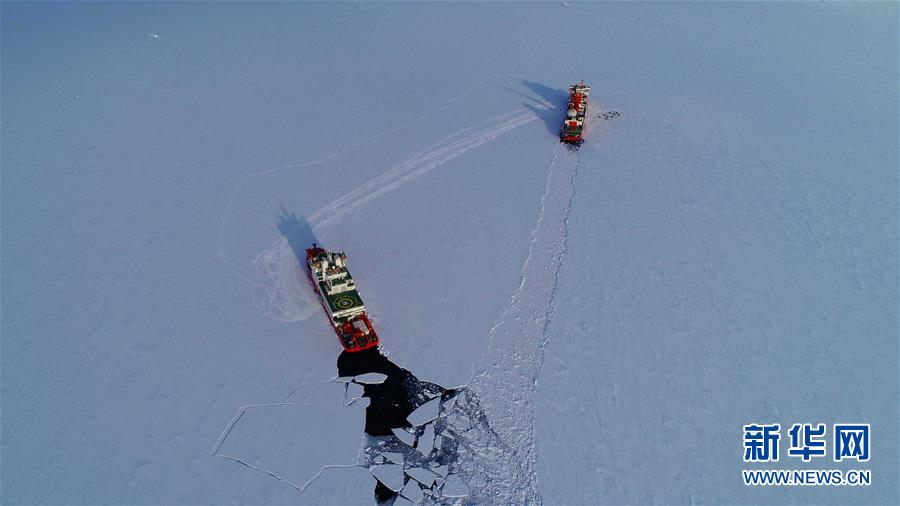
{"x": 573, "y": 128}
{"x": 343, "y": 305}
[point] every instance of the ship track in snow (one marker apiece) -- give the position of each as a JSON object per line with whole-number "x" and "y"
{"x": 499, "y": 464}
{"x": 220, "y": 248}
{"x": 277, "y": 291}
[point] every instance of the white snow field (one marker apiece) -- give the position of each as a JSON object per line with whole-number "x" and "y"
{"x": 723, "y": 249}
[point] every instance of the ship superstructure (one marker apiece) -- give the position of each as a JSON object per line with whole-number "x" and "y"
{"x": 576, "y": 113}
{"x": 344, "y": 307}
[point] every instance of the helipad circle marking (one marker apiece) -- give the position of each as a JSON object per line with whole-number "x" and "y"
{"x": 344, "y": 302}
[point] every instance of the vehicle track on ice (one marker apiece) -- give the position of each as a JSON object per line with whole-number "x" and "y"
{"x": 278, "y": 289}
{"x": 415, "y": 165}
{"x": 498, "y": 455}
{"x": 220, "y": 249}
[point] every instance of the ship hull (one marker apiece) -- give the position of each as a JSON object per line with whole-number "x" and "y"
{"x": 354, "y": 333}
{"x": 574, "y": 125}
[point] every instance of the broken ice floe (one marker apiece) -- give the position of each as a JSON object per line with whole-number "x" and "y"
{"x": 405, "y": 436}
{"x": 395, "y": 457}
{"x": 402, "y": 501}
{"x": 438, "y": 442}
{"x": 426, "y": 440}
{"x": 449, "y": 403}
{"x": 391, "y": 475}
{"x": 458, "y": 423}
{"x": 423, "y": 476}
{"x": 353, "y": 392}
{"x": 412, "y": 491}
{"x": 425, "y": 413}
{"x": 430, "y": 452}
{"x": 370, "y": 378}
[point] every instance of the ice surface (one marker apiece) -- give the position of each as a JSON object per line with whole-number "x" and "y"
{"x": 338, "y": 486}
{"x": 425, "y": 413}
{"x": 726, "y": 252}
{"x": 454, "y": 487}
{"x": 280, "y": 439}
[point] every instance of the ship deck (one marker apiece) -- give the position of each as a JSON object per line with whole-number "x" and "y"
{"x": 343, "y": 301}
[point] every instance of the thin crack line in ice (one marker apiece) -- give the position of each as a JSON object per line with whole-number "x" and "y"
{"x": 325, "y": 468}
{"x": 568, "y": 322}
{"x": 234, "y": 420}
{"x": 366, "y": 140}
{"x": 270, "y": 473}
{"x": 334, "y": 466}
{"x": 214, "y": 451}
{"x": 301, "y": 489}
{"x": 286, "y": 397}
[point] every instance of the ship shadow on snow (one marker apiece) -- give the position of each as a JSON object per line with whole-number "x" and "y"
{"x": 553, "y": 115}
{"x": 298, "y": 232}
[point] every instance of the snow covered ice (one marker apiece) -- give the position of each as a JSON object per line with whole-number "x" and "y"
{"x": 722, "y": 250}
{"x": 454, "y": 487}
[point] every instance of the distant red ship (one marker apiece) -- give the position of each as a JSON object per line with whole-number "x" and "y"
{"x": 573, "y": 127}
